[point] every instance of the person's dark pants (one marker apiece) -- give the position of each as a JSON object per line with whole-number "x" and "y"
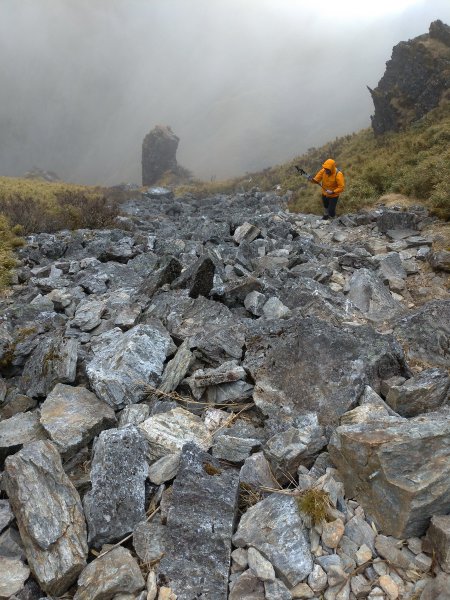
{"x": 329, "y": 206}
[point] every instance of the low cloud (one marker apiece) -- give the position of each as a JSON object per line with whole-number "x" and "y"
{"x": 245, "y": 85}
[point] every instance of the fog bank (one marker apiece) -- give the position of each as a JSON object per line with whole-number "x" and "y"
{"x": 244, "y": 84}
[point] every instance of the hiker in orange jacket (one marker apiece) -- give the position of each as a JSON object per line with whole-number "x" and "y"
{"x": 333, "y": 183}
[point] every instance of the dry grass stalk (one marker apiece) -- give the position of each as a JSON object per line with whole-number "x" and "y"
{"x": 149, "y": 391}
{"x": 126, "y": 538}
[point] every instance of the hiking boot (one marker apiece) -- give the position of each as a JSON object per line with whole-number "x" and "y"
{"x": 325, "y": 218}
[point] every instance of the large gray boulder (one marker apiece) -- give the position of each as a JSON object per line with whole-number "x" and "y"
{"x": 425, "y": 333}
{"x": 116, "y": 502}
{"x": 398, "y": 469}
{"x": 49, "y": 515}
{"x": 308, "y": 365}
{"x": 199, "y": 527}
{"x": 73, "y": 416}
{"x": 122, "y": 362}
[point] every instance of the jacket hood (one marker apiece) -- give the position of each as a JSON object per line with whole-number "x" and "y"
{"x": 330, "y": 164}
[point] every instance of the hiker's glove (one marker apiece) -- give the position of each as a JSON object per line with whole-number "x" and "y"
{"x": 329, "y": 191}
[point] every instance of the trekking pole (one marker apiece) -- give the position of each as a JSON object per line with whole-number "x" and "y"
{"x": 303, "y": 173}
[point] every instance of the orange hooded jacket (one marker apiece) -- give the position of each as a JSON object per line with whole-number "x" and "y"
{"x": 335, "y": 181}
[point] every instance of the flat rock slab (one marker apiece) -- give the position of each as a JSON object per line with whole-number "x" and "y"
{"x": 116, "y": 572}
{"x": 399, "y": 470}
{"x": 167, "y": 432}
{"x": 116, "y": 502}
{"x": 308, "y": 365}
{"x": 369, "y": 294}
{"x": 73, "y": 416}
{"x": 199, "y": 527}
{"x": 18, "y": 431}
{"x": 275, "y": 528}
{"x": 49, "y": 515}
{"x": 53, "y": 361}
{"x": 123, "y": 361}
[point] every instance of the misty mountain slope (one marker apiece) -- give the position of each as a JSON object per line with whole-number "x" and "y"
{"x": 413, "y": 162}
{"x": 407, "y": 149}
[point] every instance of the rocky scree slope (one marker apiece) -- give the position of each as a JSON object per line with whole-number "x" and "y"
{"x": 191, "y": 383}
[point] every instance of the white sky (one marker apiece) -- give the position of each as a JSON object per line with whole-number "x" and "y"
{"x": 245, "y": 84}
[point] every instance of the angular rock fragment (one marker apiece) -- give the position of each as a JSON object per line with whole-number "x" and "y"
{"x": 425, "y": 392}
{"x": 275, "y": 309}
{"x": 13, "y": 574}
{"x": 177, "y": 368}
{"x": 254, "y": 303}
{"x": 6, "y": 515}
{"x": 425, "y": 333}
{"x": 164, "y": 469}
{"x": 134, "y": 414}
{"x": 11, "y": 545}
{"x": 149, "y": 539}
{"x": 114, "y": 573}
{"x": 440, "y": 261}
{"x": 256, "y": 472}
{"x": 274, "y": 527}
{"x": 399, "y": 470}
{"x": 199, "y": 527}
{"x": 308, "y": 365}
{"x": 246, "y": 232}
{"x": 369, "y": 294}
{"x": 53, "y": 361}
{"x": 49, "y": 515}
{"x": 18, "y": 431}
{"x": 247, "y": 586}
{"x": 297, "y": 445}
{"x": 198, "y": 278}
{"x": 122, "y": 362}
{"x": 89, "y": 314}
{"x": 234, "y": 448}
{"x": 167, "y": 433}
{"x": 392, "y": 219}
{"x": 116, "y": 502}
{"x": 73, "y": 416}
{"x": 439, "y": 536}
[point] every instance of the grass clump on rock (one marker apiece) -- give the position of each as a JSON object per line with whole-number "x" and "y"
{"x": 314, "y": 503}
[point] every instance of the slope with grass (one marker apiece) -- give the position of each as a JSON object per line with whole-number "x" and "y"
{"x": 31, "y": 206}
{"x": 414, "y": 162}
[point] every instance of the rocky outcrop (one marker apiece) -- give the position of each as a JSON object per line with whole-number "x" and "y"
{"x": 159, "y": 150}
{"x": 417, "y": 77}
